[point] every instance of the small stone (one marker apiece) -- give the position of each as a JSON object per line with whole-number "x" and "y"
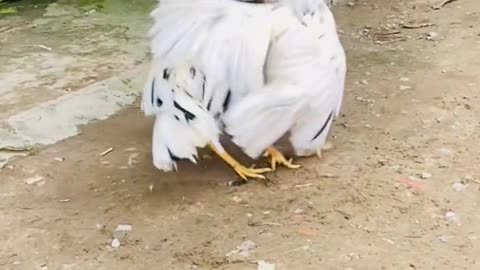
{"x": 115, "y": 243}
{"x": 299, "y": 211}
{"x": 451, "y": 216}
{"x": 432, "y": 36}
{"x": 364, "y": 82}
{"x": 121, "y": 231}
{"x": 445, "y": 151}
{"x": 60, "y": 159}
{"x": 459, "y": 187}
{"x": 241, "y": 252}
{"x": 151, "y": 187}
{"x": 425, "y": 175}
{"x": 404, "y": 79}
{"x": 405, "y": 87}
{"x": 124, "y": 227}
{"x": 443, "y": 238}
{"x": 263, "y": 265}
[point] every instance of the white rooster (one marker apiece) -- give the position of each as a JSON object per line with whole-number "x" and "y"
{"x": 255, "y": 70}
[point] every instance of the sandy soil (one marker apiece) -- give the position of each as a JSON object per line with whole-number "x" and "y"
{"x": 399, "y": 191}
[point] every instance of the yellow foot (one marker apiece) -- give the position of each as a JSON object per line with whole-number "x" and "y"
{"x": 244, "y": 172}
{"x": 276, "y": 157}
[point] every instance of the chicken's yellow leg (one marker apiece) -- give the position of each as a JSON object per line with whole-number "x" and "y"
{"x": 276, "y": 157}
{"x": 241, "y": 170}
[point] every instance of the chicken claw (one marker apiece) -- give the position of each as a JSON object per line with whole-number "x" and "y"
{"x": 276, "y": 157}
{"x": 242, "y": 171}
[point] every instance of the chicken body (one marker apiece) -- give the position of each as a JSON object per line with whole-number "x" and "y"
{"x": 253, "y": 70}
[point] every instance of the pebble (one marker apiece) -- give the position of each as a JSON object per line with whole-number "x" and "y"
{"x": 451, "y": 216}
{"x": 241, "y": 252}
{"x": 445, "y": 151}
{"x": 405, "y": 87}
{"x": 115, "y": 243}
{"x": 124, "y": 227}
{"x": 299, "y": 211}
{"x": 121, "y": 231}
{"x": 263, "y": 265}
{"x": 425, "y": 175}
{"x": 459, "y": 187}
{"x": 432, "y": 36}
{"x": 443, "y": 238}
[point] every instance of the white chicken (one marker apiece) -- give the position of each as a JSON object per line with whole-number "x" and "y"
{"x": 255, "y": 70}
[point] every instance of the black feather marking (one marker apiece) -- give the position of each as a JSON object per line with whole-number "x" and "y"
{"x": 209, "y": 105}
{"x": 152, "y": 94}
{"x": 188, "y": 94}
{"x": 166, "y": 74}
{"x": 253, "y": 1}
{"x": 172, "y": 156}
{"x": 176, "y": 117}
{"x": 324, "y": 126}
{"x": 226, "y": 102}
{"x": 188, "y": 115}
{"x": 193, "y": 72}
{"x": 159, "y": 102}
{"x": 203, "y": 86}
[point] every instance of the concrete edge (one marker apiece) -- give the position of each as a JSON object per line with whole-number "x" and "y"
{"x": 59, "y": 119}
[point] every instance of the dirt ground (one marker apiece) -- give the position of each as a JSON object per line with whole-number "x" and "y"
{"x": 400, "y": 190}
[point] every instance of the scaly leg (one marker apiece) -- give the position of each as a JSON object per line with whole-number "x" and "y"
{"x": 241, "y": 170}
{"x": 276, "y": 157}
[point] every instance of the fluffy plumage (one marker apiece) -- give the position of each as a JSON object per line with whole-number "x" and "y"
{"x": 261, "y": 69}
